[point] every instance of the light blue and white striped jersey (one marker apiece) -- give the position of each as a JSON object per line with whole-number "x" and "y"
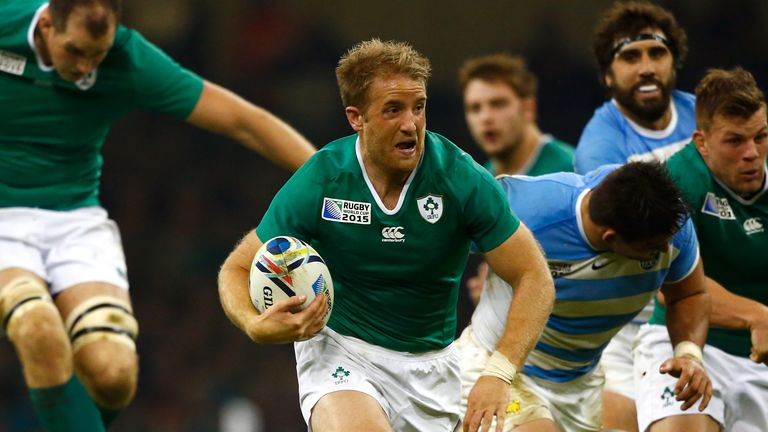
{"x": 611, "y": 138}
{"x": 597, "y": 292}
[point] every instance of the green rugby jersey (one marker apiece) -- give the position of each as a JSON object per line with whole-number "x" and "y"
{"x": 732, "y": 238}
{"x": 52, "y": 131}
{"x": 552, "y": 156}
{"x": 396, "y": 273}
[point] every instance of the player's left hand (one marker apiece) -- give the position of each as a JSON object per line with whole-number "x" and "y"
{"x": 759, "y": 332}
{"x": 693, "y": 382}
{"x": 488, "y": 399}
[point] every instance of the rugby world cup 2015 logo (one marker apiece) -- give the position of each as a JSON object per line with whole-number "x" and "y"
{"x": 718, "y": 207}
{"x": 351, "y": 212}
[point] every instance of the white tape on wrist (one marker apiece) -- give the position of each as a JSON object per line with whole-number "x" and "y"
{"x": 499, "y": 366}
{"x": 690, "y": 350}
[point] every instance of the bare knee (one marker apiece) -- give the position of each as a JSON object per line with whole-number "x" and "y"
{"x": 43, "y": 349}
{"x": 34, "y": 325}
{"x": 102, "y": 330}
{"x": 109, "y": 371}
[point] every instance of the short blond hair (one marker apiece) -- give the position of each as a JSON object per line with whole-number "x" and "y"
{"x": 372, "y": 59}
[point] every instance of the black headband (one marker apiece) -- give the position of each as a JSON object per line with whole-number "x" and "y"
{"x": 621, "y": 43}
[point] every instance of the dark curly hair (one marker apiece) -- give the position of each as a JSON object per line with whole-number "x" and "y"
{"x": 628, "y": 19}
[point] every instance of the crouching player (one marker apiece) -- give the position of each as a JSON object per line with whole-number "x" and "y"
{"x": 612, "y": 238}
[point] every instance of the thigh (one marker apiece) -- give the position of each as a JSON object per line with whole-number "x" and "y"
{"x": 655, "y": 391}
{"x": 84, "y": 247}
{"x": 424, "y": 390}
{"x": 528, "y": 405}
{"x": 617, "y": 362}
{"x": 746, "y": 391}
{"x": 575, "y": 405}
{"x": 20, "y": 241}
{"x": 325, "y": 366}
{"x": 332, "y": 413}
{"x": 472, "y": 361}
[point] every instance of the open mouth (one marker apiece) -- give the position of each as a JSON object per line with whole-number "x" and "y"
{"x": 406, "y": 145}
{"x": 490, "y": 135}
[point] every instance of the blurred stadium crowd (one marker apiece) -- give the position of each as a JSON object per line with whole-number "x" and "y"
{"x": 182, "y": 197}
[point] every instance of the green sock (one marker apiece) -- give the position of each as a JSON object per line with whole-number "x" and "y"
{"x": 66, "y": 408}
{"x": 108, "y": 416}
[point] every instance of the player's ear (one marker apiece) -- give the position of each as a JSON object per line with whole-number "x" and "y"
{"x": 529, "y": 109}
{"x": 45, "y": 22}
{"x": 354, "y": 117}
{"x": 609, "y": 236}
{"x": 608, "y": 79}
{"x": 700, "y": 140}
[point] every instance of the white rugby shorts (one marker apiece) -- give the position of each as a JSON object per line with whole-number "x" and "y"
{"x": 736, "y": 384}
{"x": 617, "y": 361}
{"x": 65, "y": 248}
{"x": 418, "y": 392}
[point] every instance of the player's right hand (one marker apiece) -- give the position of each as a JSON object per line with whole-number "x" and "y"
{"x": 283, "y": 323}
{"x": 693, "y": 382}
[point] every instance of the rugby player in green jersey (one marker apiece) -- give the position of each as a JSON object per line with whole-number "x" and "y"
{"x": 386, "y": 361}
{"x": 722, "y": 174}
{"x": 500, "y": 109}
{"x": 68, "y": 70}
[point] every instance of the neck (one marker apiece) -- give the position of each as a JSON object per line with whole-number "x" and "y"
{"x": 515, "y": 161}
{"x": 387, "y": 184}
{"x": 659, "y": 124}
{"x": 593, "y": 231}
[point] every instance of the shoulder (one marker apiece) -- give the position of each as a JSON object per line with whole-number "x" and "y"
{"x": 15, "y": 18}
{"x": 332, "y": 159}
{"x": 689, "y": 172}
{"x": 554, "y": 146}
{"x": 445, "y": 160}
{"x": 682, "y": 98}
{"x": 606, "y": 115}
{"x": 542, "y": 200}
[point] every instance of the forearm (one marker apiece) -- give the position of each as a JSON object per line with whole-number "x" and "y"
{"x": 234, "y": 296}
{"x": 733, "y": 311}
{"x": 274, "y": 139}
{"x": 688, "y": 318}
{"x": 221, "y": 111}
{"x": 528, "y": 313}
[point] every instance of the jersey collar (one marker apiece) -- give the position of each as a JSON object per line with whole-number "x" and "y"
{"x": 31, "y": 39}
{"x": 650, "y": 133}
{"x": 738, "y": 197}
{"x": 376, "y": 197}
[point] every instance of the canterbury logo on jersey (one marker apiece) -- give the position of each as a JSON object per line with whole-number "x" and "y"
{"x": 354, "y": 212}
{"x": 392, "y": 235}
{"x": 718, "y": 207}
{"x": 753, "y": 226}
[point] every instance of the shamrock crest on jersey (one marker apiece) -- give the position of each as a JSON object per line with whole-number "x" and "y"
{"x": 430, "y": 207}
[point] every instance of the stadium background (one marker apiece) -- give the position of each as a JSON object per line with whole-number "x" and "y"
{"x": 183, "y": 197}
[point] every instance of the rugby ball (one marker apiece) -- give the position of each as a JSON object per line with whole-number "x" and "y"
{"x": 285, "y": 267}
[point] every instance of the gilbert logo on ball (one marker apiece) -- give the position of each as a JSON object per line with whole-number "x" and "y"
{"x": 285, "y": 267}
